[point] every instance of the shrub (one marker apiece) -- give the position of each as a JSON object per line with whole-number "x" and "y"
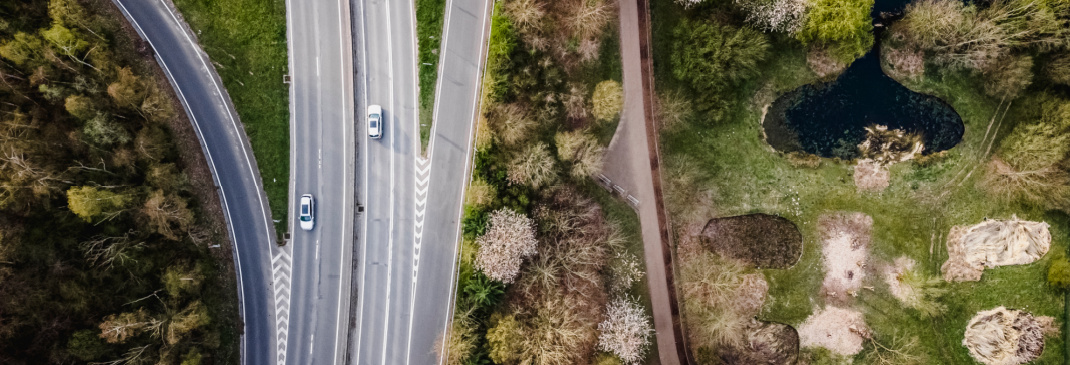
{"x": 1058, "y": 70}
{"x": 1059, "y": 274}
{"x": 510, "y": 237}
{"x": 89, "y": 203}
{"x": 512, "y": 123}
{"x": 582, "y": 150}
{"x": 777, "y": 15}
{"x": 713, "y": 57}
{"x": 533, "y": 167}
{"x": 842, "y": 26}
{"x": 479, "y": 193}
{"x": 671, "y": 109}
{"x": 608, "y": 100}
{"x": 626, "y": 330}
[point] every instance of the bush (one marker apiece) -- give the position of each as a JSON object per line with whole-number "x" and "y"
{"x": 533, "y": 167}
{"x": 1059, "y": 274}
{"x": 582, "y": 150}
{"x": 626, "y": 330}
{"x": 712, "y": 58}
{"x": 842, "y": 26}
{"x": 608, "y": 99}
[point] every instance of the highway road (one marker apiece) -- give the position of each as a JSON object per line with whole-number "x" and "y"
{"x": 407, "y": 264}
{"x": 384, "y": 304}
{"x": 227, "y": 150}
{"x": 322, "y": 164}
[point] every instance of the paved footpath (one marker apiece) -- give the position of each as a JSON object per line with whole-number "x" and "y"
{"x": 633, "y": 165}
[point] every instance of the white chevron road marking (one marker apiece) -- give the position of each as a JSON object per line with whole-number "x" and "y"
{"x": 280, "y": 281}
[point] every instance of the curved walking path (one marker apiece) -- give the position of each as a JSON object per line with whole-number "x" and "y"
{"x": 632, "y": 164}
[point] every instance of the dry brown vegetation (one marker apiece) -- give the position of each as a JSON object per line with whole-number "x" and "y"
{"x": 569, "y": 30}
{"x": 554, "y": 308}
{"x": 720, "y": 297}
{"x": 1004, "y": 337}
{"x": 993, "y": 243}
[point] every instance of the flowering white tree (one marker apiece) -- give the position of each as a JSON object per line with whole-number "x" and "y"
{"x": 776, "y": 16}
{"x": 688, "y": 4}
{"x": 626, "y": 330}
{"x": 510, "y": 238}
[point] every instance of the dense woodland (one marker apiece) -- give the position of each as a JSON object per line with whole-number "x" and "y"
{"x": 104, "y": 240}
{"x": 545, "y": 275}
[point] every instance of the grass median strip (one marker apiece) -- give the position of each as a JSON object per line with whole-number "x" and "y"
{"x": 246, "y": 41}
{"x": 429, "y": 17}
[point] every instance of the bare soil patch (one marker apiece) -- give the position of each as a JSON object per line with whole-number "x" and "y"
{"x": 1002, "y": 336}
{"x": 763, "y": 240}
{"x": 840, "y": 330}
{"x": 845, "y": 239}
{"x": 871, "y": 176}
{"x": 993, "y": 243}
{"x": 892, "y": 273}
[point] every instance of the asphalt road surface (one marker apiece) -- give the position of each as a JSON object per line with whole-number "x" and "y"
{"x": 407, "y": 265}
{"x": 227, "y": 151}
{"x": 322, "y": 164}
{"x": 385, "y": 266}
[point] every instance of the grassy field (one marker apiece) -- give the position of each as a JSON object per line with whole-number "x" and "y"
{"x": 246, "y": 40}
{"x": 429, "y": 18}
{"x": 911, "y": 218}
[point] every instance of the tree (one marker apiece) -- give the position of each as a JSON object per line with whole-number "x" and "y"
{"x": 180, "y": 280}
{"x": 86, "y": 345}
{"x": 842, "y": 26}
{"x": 193, "y": 357}
{"x": 963, "y": 36}
{"x": 1008, "y": 76}
{"x": 118, "y": 328}
{"x": 582, "y": 150}
{"x": 194, "y": 316}
{"x": 89, "y": 202}
{"x": 504, "y": 338}
{"x": 625, "y": 331}
{"x": 510, "y": 237}
{"x": 713, "y": 57}
{"x": 102, "y": 130}
{"x": 785, "y": 16}
{"x": 164, "y": 213}
{"x": 1028, "y": 164}
{"x": 65, "y": 41}
{"x": 127, "y": 90}
{"x": 80, "y": 106}
{"x": 608, "y": 99}
{"x": 1058, "y": 70}
{"x": 534, "y": 167}
{"x": 22, "y": 49}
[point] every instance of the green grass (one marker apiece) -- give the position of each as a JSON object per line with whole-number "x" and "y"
{"x": 746, "y": 176}
{"x": 429, "y": 17}
{"x": 246, "y": 40}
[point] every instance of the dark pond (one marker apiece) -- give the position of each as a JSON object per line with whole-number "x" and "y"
{"x": 828, "y": 119}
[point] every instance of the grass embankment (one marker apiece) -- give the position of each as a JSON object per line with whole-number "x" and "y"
{"x": 731, "y": 162}
{"x": 246, "y": 40}
{"x": 429, "y": 18}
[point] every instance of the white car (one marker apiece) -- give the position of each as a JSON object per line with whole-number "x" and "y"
{"x": 375, "y": 121}
{"x": 307, "y": 215}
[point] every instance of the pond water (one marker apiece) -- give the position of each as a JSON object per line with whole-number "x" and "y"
{"x": 828, "y": 119}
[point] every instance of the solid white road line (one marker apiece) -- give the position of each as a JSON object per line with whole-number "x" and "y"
{"x": 346, "y": 207}
{"x": 364, "y": 217}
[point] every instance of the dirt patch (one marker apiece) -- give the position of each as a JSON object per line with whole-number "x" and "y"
{"x": 1002, "y": 336}
{"x": 845, "y": 239}
{"x": 892, "y": 275}
{"x": 763, "y": 240}
{"x": 840, "y": 330}
{"x": 765, "y": 343}
{"x": 993, "y": 243}
{"x": 871, "y": 176}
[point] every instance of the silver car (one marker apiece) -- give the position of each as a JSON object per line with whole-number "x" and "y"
{"x": 307, "y": 214}
{"x": 375, "y": 121}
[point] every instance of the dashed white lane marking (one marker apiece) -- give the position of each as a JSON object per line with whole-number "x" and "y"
{"x": 280, "y": 281}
